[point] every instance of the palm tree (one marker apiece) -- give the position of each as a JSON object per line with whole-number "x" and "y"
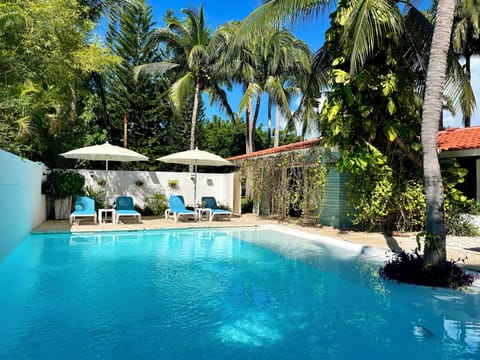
{"x": 271, "y": 61}
{"x": 435, "y": 247}
{"x": 290, "y": 72}
{"x": 466, "y": 43}
{"x": 195, "y": 56}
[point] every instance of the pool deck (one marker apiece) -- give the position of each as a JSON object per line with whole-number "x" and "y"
{"x": 467, "y": 248}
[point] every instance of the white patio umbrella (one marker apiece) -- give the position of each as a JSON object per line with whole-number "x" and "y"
{"x": 195, "y": 157}
{"x": 105, "y": 152}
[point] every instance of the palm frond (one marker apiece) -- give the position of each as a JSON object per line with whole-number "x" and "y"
{"x": 181, "y": 90}
{"x": 459, "y": 89}
{"x": 366, "y": 23}
{"x": 252, "y": 91}
{"x": 275, "y": 89}
{"x": 153, "y": 69}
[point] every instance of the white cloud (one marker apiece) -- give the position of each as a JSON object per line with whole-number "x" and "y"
{"x": 448, "y": 119}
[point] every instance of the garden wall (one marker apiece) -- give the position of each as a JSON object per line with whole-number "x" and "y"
{"x": 22, "y": 206}
{"x": 143, "y": 184}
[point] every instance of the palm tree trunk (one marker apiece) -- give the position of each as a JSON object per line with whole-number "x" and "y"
{"x": 269, "y": 122}
{"x": 467, "y": 118}
{"x": 435, "y": 244}
{"x": 254, "y": 121}
{"x": 248, "y": 150}
{"x": 276, "y": 140}
{"x": 196, "y": 100}
{"x": 249, "y": 119}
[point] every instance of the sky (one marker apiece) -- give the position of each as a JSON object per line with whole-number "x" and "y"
{"x": 218, "y": 12}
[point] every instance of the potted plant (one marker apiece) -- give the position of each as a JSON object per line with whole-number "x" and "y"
{"x": 101, "y": 181}
{"x": 65, "y": 184}
{"x": 173, "y": 183}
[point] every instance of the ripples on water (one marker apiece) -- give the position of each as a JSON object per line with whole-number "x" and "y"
{"x": 217, "y": 294}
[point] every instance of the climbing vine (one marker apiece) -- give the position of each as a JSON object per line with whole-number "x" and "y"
{"x": 289, "y": 185}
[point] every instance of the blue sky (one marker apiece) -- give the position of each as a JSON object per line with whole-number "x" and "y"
{"x": 218, "y": 12}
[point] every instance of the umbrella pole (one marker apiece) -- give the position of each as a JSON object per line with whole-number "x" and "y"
{"x": 195, "y": 187}
{"x": 106, "y": 185}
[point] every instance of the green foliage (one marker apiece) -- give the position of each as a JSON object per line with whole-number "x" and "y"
{"x": 153, "y": 128}
{"x": 47, "y": 53}
{"x": 410, "y": 268}
{"x": 101, "y": 181}
{"x": 460, "y": 225}
{"x": 97, "y": 195}
{"x": 456, "y": 203}
{"x": 156, "y": 204}
{"x": 372, "y": 117}
{"x": 222, "y": 137}
{"x": 66, "y": 183}
{"x": 475, "y": 209}
{"x": 247, "y": 206}
{"x": 386, "y": 202}
{"x": 289, "y": 185}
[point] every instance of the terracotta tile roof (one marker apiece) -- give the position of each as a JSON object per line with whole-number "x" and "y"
{"x": 450, "y": 139}
{"x": 289, "y": 147}
{"x": 459, "y": 139}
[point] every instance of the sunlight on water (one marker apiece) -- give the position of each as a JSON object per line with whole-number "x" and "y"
{"x": 221, "y": 293}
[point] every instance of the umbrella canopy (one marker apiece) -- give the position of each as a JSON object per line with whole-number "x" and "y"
{"x": 195, "y": 157}
{"x": 105, "y": 152}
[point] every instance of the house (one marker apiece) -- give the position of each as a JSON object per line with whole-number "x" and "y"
{"x": 460, "y": 143}
{"x": 464, "y": 145}
{"x": 334, "y": 205}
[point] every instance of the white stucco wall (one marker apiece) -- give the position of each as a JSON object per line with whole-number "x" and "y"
{"x": 22, "y": 206}
{"x": 123, "y": 183}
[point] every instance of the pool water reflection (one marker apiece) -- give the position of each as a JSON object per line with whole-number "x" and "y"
{"x": 221, "y": 293}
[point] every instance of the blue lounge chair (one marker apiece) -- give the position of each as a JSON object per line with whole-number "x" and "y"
{"x": 84, "y": 207}
{"x": 209, "y": 202}
{"x": 177, "y": 207}
{"x": 168, "y": 212}
{"x": 124, "y": 207}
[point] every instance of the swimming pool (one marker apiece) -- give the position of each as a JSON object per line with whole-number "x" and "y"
{"x": 221, "y": 294}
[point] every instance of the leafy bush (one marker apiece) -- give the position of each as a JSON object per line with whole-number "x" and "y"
{"x": 460, "y": 225}
{"x": 409, "y": 268}
{"x": 97, "y": 195}
{"x": 387, "y": 203}
{"x": 155, "y": 204}
{"x": 475, "y": 208}
{"x": 66, "y": 183}
{"x": 247, "y": 206}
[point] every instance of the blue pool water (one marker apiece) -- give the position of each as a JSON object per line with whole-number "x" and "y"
{"x": 220, "y": 294}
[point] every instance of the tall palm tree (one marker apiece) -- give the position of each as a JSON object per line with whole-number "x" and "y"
{"x": 271, "y": 61}
{"x": 435, "y": 247}
{"x": 196, "y": 53}
{"x": 466, "y": 43}
{"x": 294, "y": 67}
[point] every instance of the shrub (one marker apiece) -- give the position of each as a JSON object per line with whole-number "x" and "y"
{"x": 475, "y": 208}
{"x": 156, "y": 204}
{"x": 97, "y": 195}
{"x": 460, "y": 225}
{"x": 409, "y": 268}
{"x": 247, "y": 206}
{"x": 66, "y": 183}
